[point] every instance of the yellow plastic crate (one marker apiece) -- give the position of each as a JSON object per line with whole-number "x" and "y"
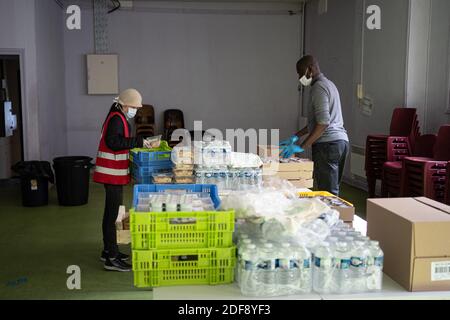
{"x": 172, "y": 230}
{"x": 313, "y": 194}
{"x": 153, "y": 268}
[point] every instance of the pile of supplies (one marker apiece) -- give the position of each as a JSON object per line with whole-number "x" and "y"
{"x": 264, "y": 234}
{"x": 291, "y": 245}
{"x": 150, "y": 164}
{"x": 298, "y": 171}
{"x": 213, "y": 162}
{"x": 180, "y": 236}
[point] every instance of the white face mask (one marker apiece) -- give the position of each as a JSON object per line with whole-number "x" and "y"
{"x": 305, "y": 81}
{"x": 131, "y": 113}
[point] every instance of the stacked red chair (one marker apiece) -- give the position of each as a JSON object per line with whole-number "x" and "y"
{"x": 393, "y": 180}
{"x": 397, "y": 145}
{"x": 427, "y": 176}
{"x": 447, "y": 185}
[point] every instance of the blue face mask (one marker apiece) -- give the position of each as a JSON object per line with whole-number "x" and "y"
{"x": 131, "y": 113}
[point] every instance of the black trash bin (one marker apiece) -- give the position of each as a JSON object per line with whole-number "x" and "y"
{"x": 72, "y": 180}
{"x": 34, "y": 179}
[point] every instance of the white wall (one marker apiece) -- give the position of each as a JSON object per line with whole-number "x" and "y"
{"x": 438, "y": 90}
{"x": 36, "y": 32}
{"x": 50, "y": 74}
{"x": 17, "y": 24}
{"x": 384, "y": 68}
{"x": 228, "y": 70}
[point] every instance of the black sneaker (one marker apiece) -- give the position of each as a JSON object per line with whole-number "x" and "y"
{"x": 116, "y": 265}
{"x": 121, "y": 256}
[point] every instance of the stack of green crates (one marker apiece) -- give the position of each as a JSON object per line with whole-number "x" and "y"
{"x": 182, "y": 248}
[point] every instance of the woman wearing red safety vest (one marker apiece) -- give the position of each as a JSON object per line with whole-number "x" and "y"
{"x": 112, "y": 170}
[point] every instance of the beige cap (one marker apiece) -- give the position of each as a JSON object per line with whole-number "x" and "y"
{"x": 130, "y": 97}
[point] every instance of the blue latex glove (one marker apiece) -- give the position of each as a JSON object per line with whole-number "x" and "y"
{"x": 292, "y": 140}
{"x": 288, "y": 151}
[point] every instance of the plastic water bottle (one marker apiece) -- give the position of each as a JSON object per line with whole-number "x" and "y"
{"x": 358, "y": 265}
{"x": 364, "y": 239}
{"x": 287, "y": 269}
{"x": 354, "y": 234}
{"x": 243, "y": 245}
{"x": 323, "y": 269}
{"x": 350, "y": 240}
{"x": 302, "y": 264}
{"x": 249, "y": 280}
{"x": 375, "y": 267}
{"x": 341, "y": 235}
{"x": 268, "y": 269}
{"x": 332, "y": 240}
{"x": 342, "y": 274}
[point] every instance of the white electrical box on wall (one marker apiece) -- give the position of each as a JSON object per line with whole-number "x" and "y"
{"x": 103, "y": 73}
{"x": 323, "y": 6}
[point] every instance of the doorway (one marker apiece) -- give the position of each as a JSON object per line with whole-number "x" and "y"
{"x": 11, "y": 146}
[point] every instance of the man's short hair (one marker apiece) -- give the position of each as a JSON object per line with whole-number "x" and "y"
{"x": 307, "y": 61}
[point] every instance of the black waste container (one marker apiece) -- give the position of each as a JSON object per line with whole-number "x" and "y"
{"x": 72, "y": 180}
{"x": 34, "y": 179}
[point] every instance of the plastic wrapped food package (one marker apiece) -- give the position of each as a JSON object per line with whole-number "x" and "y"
{"x": 272, "y": 215}
{"x": 184, "y": 180}
{"x": 273, "y": 200}
{"x": 183, "y": 166}
{"x": 153, "y": 142}
{"x": 182, "y": 155}
{"x": 183, "y": 172}
{"x": 245, "y": 160}
{"x": 162, "y": 178}
{"x": 168, "y": 202}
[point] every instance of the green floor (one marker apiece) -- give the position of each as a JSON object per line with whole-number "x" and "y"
{"x": 40, "y": 243}
{"x": 355, "y": 196}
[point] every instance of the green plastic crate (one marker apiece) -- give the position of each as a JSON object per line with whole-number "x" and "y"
{"x": 154, "y": 268}
{"x": 173, "y": 230}
{"x": 160, "y": 153}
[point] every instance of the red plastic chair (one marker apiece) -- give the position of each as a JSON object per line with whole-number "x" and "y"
{"x": 392, "y": 182}
{"x": 427, "y": 176}
{"x": 381, "y": 148}
{"x": 447, "y": 185}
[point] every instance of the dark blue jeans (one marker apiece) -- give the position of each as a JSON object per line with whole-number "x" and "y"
{"x": 329, "y": 162}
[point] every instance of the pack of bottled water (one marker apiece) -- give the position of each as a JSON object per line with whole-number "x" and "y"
{"x": 229, "y": 179}
{"x": 212, "y": 153}
{"x": 345, "y": 262}
{"x": 266, "y": 269}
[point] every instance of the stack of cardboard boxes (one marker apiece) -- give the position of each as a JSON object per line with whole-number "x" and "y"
{"x": 298, "y": 171}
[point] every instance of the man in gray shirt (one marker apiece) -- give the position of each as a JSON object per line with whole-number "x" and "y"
{"x": 326, "y": 133}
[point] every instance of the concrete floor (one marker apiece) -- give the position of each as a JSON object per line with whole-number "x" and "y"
{"x": 40, "y": 243}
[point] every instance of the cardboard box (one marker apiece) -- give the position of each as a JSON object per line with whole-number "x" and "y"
{"x": 123, "y": 226}
{"x": 294, "y": 175}
{"x": 303, "y": 183}
{"x": 123, "y": 236}
{"x": 346, "y": 214}
{"x": 272, "y": 151}
{"x": 414, "y": 234}
{"x": 305, "y": 165}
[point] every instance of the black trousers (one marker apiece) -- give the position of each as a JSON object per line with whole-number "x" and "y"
{"x": 113, "y": 200}
{"x": 329, "y": 162}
